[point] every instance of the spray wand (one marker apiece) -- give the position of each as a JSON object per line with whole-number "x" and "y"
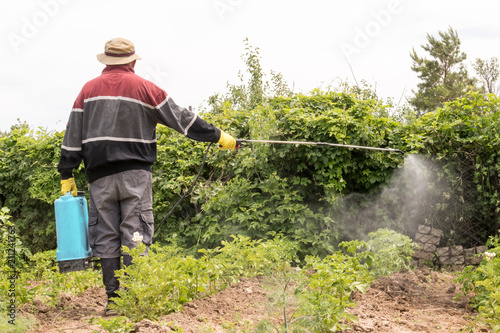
{"x": 239, "y": 141}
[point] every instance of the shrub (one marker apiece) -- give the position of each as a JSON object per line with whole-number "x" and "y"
{"x": 392, "y": 251}
{"x": 484, "y": 284}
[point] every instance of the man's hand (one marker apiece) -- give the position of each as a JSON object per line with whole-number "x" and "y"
{"x": 226, "y": 141}
{"x": 69, "y": 185}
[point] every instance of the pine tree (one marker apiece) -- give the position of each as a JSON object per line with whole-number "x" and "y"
{"x": 444, "y": 76}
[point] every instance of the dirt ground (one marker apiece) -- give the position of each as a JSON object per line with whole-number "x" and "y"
{"x": 412, "y": 301}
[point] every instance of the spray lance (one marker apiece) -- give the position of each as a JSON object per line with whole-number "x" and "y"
{"x": 238, "y": 145}
{"x": 240, "y": 141}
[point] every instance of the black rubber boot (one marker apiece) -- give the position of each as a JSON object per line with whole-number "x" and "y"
{"x": 109, "y": 266}
{"x": 127, "y": 260}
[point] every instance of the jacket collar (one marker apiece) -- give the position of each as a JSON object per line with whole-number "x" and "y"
{"x": 118, "y": 69}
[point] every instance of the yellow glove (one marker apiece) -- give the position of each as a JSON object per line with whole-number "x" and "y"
{"x": 226, "y": 141}
{"x": 68, "y": 185}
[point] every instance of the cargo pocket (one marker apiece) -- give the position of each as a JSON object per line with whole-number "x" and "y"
{"x": 92, "y": 228}
{"x": 147, "y": 226}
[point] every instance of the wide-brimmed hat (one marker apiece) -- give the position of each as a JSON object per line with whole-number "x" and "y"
{"x": 118, "y": 51}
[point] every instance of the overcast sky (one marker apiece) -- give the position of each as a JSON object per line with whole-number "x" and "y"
{"x": 193, "y": 48}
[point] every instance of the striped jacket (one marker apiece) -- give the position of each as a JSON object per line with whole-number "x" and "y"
{"x": 112, "y": 125}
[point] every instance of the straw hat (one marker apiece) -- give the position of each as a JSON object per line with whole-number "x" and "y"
{"x": 118, "y": 51}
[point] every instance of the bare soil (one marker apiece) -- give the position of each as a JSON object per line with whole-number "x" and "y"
{"x": 411, "y": 301}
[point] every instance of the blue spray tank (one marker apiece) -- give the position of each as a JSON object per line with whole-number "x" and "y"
{"x": 72, "y": 228}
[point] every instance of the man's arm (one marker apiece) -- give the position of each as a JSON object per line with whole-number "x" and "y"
{"x": 71, "y": 150}
{"x": 186, "y": 122}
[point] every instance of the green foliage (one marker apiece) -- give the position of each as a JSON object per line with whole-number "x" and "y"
{"x": 320, "y": 292}
{"x": 444, "y": 76}
{"x": 21, "y": 324}
{"x": 249, "y": 95}
{"x": 329, "y": 284}
{"x": 115, "y": 325}
{"x": 163, "y": 281}
{"x": 337, "y": 118}
{"x": 484, "y": 284}
{"x": 29, "y": 183}
{"x": 40, "y": 278}
{"x": 13, "y": 254}
{"x": 262, "y": 190}
{"x": 13, "y": 260}
{"x": 489, "y": 72}
{"x": 262, "y": 209}
{"x": 392, "y": 252}
{"x": 463, "y": 139}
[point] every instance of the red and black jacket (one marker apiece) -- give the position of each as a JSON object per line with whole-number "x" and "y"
{"x": 112, "y": 125}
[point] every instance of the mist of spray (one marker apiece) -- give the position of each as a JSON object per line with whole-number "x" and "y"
{"x": 401, "y": 205}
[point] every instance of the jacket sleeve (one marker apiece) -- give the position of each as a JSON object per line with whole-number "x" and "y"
{"x": 186, "y": 122}
{"x": 71, "y": 149}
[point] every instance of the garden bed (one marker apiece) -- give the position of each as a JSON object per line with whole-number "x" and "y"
{"x": 410, "y": 301}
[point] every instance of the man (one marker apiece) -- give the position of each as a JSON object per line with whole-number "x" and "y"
{"x": 112, "y": 127}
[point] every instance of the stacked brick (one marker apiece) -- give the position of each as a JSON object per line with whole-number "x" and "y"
{"x": 470, "y": 255}
{"x": 452, "y": 255}
{"x": 428, "y": 240}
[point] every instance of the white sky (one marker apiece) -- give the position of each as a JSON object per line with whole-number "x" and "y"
{"x": 193, "y": 48}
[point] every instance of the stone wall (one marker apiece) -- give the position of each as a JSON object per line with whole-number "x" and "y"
{"x": 428, "y": 239}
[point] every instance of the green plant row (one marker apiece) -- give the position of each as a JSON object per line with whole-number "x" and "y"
{"x": 319, "y": 288}
{"x": 483, "y": 284}
{"x": 163, "y": 281}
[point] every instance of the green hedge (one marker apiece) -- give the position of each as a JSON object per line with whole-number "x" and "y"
{"x": 262, "y": 190}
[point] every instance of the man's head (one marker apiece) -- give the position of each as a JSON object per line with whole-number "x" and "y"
{"x": 118, "y": 51}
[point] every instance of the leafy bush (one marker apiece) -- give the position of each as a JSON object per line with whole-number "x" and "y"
{"x": 328, "y": 285}
{"x": 462, "y": 138}
{"x": 391, "y": 251}
{"x": 29, "y": 183}
{"x": 314, "y": 298}
{"x": 13, "y": 254}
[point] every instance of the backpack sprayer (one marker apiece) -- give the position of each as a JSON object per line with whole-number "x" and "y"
{"x": 73, "y": 250}
{"x": 72, "y": 229}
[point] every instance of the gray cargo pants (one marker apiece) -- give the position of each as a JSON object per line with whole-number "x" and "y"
{"x": 120, "y": 204}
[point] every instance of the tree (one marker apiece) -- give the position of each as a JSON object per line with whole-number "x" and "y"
{"x": 247, "y": 95}
{"x": 489, "y": 73}
{"x": 444, "y": 76}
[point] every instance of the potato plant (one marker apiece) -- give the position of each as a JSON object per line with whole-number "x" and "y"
{"x": 161, "y": 283}
{"x": 483, "y": 283}
{"x": 392, "y": 251}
